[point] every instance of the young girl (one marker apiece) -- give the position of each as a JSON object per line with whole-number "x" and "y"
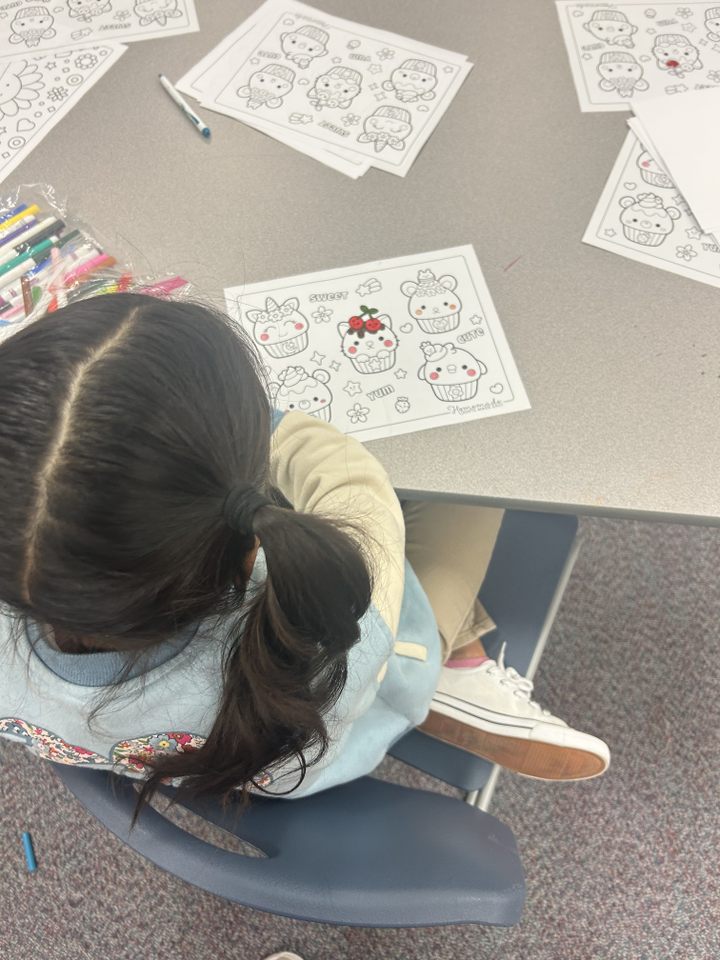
{"x": 196, "y": 587}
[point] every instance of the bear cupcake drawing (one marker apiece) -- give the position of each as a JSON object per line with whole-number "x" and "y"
{"x": 336, "y": 88}
{"x": 612, "y": 27}
{"x": 31, "y": 25}
{"x": 433, "y": 302}
{"x": 368, "y": 341}
{"x": 452, "y": 373}
{"x": 645, "y": 220}
{"x": 712, "y": 23}
{"x": 387, "y": 127}
{"x": 303, "y": 46}
{"x": 652, "y": 172}
{"x": 268, "y": 86}
{"x": 413, "y": 80}
{"x": 280, "y": 328}
{"x": 296, "y": 390}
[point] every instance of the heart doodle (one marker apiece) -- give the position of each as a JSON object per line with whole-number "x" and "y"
{"x": 406, "y": 328}
{"x": 629, "y": 185}
{"x": 497, "y": 388}
{"x": 25, "y": 124}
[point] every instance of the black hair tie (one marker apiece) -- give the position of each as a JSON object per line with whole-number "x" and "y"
{"x": 240, "y": 507}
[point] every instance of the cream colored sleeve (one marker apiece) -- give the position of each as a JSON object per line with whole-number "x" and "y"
{"x": 322, "y": 471}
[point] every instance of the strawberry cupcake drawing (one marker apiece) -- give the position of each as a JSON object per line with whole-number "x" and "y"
{"x": 280, "y": 328}
{"x": 299, "y": 391}
{"x": 368, "y": 341}
{"x": 452, "y": 373}
{"x": 433, "y": 302}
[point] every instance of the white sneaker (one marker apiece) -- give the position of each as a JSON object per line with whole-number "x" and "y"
{"x": 487, "y": 710}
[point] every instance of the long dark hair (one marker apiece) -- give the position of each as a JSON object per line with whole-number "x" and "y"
{"x": 134, "y": 478}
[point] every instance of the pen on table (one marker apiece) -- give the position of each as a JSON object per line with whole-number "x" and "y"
{"x": 24, "y": 216}
{"x": 26, "y": 295}
{"x": 199, "y": 124}
{"x": 29, "y": 852}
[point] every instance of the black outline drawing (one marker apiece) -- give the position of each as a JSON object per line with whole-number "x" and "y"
{"x": 610, "y": 28}
{"x": 675, "y": 66}
{"x": 305, "y": 50}
{"x": 275, "y": 313}
{"x": 455, "y": 391}
{"x": 712, "y": 23}
{"x": 317, "y": 382}
{"x": 442, "y": 318}
{"x": 38, "y": 28}
{"x": 403, "y": 405}
{"x": 380, "y": 364}
{"x": 337, "y": 88}
{"x": 258, "y": 93}
{"x": 20, "y": 84}
{"x": 156, "y": 11}
{"x": 85, "y": 10}
{"x": 646, "y": 233}
{"x": 386, "y": 127}
{"x": 413, "y": 80}
{"x": 614, "y": 69}
{"x": 656, "y": 178}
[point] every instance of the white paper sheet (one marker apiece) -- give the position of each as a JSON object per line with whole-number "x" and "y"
{"x": 36, "y": 91}
{"x": 642, "y": 216}
{"x": 622, "y": 52}
{"x": 685, "y": 133}
{"x": 29, "y": 28}
{"x": 198, "y": 81}
{"x": 384, "y": 348}
{"x": 368, "y": 95}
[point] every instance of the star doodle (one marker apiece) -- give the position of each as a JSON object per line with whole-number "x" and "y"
{"x": 318, "y": 358}
{"x": 352, "y": 388}
{"x": 334, "y": 365}
{"x": 400, "y": 374}
{"x": 694, "y": 233}
{"x": 476, "y": 319}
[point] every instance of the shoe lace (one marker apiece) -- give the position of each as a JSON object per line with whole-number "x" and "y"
{"x": 509, "y": 677}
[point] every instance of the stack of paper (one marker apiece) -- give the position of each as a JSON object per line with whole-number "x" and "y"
{"x": 350, "y": 96}
{"x": 684, "y": 136}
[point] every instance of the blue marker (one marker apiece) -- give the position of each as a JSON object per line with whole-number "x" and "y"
{"x": 194, "y": 119}
{"x": 13, "y": 213}
{"x": 29, "y": 852}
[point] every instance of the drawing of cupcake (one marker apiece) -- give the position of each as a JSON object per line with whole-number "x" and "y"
{"x": 303, "y": 392}
{"x": 645, "y": 220}
{"x": 280, "y": 328}
{"x": 368, "y": 341}
{"x": 452, "y": 373}
{"x": 433, "y": 302}
{"x": 652, "y": 172}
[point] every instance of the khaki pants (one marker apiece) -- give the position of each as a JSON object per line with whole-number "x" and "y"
{"x": 449, "y": 546}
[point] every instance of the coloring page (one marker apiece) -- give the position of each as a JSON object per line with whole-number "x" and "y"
{"x": 383, "y": 348}
{"x": 29, "y": 28}
{"x": 371, "y": 95}
{"x": 622, "y": 51}
{"x": 198, "y": 81}
{"x": 37, "y": 91}
{"x": 642, "y": 216}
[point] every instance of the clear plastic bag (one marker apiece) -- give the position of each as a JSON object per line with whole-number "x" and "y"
{"x": 50, "y": 257}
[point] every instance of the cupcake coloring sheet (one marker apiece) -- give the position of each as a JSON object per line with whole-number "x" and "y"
{"x": 383, "y": 348}
{"x": 308, "y": 78}
{"x": 642, "y": 216}
{"x": 28, "y": 28}
{"x": 622, "y": 51}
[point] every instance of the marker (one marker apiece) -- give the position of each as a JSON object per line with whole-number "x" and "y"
{"x": 13, "y": 213}
{"x": 26, "y": 295}
{"x": 41, "y": 231}
{"x": 28, "y": 212}
{"x": 34, "y": 254}
{"x": 29, "y": 852}
{"x": 199, "y": 124}
{"x": 89, "y": 266}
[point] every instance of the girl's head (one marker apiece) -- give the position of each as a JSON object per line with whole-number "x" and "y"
{"x": 134, "y": 487}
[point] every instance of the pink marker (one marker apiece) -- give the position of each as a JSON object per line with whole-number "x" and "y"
{"x": 89, "y": 266}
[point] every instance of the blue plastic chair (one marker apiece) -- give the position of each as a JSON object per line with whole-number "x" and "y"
{"x": 373, "y": 853}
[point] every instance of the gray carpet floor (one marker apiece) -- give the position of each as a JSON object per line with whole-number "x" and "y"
{"x": 622, "y": 868}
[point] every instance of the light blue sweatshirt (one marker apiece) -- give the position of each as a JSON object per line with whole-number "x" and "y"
{"x": 169, "y": 702}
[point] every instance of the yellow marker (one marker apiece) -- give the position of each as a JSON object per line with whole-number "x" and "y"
{"x": 27, "y": 212}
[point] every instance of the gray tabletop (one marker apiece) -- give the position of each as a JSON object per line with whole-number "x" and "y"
{"x": 621, "y": 361}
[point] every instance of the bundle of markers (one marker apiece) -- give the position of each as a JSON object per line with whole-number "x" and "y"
{"x": 47, "y": 262}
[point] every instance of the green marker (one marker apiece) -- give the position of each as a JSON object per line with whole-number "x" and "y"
{"x": 34, "y": 254}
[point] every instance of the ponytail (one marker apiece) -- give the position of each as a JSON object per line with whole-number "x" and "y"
{"x": 286, "y": 658}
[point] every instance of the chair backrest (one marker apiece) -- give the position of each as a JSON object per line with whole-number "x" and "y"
{"x": 369, "y": 853}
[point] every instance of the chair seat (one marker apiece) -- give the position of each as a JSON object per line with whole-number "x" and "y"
{"x": 369, "y": 853}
